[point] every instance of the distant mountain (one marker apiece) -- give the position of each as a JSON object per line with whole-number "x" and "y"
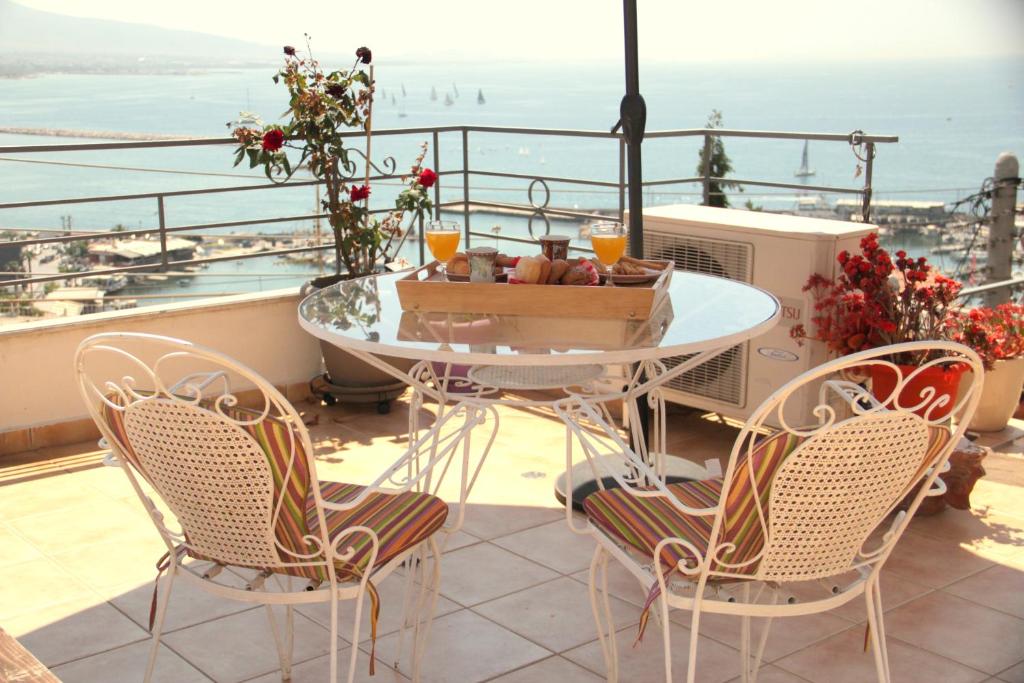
{"x": 33, "y": 37}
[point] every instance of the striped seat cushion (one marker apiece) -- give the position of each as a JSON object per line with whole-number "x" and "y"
{"x": 642, "y": 522}
{"x": 400, "y": 521}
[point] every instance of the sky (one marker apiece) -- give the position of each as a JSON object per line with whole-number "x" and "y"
{"x": 567, "y": 31}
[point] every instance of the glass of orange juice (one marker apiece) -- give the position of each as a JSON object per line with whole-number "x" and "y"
{"x": 443, "y": 239}
{"x": 608, "y": 238}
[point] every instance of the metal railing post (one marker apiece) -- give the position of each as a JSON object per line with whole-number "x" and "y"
{"x": 869, "y": 166}
{"x": 1001, "y": 227}
{"x": 465, "y": 183}
{"x": 706, "y": 170}
{"x": 163, "y": 233}
{"x": 622, "y": 179}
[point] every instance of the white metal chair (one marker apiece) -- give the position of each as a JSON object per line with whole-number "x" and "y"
{"x": 242, "y": 485}
{"x": 799, "y": 512}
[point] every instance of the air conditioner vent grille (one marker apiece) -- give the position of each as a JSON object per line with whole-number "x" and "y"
{"x": 700, "y": 255}
{"x": 722, "y": 378}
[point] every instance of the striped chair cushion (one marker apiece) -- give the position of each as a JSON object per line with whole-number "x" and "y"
{"x": 400, "y": 521}
{"x": 642, "y": 522}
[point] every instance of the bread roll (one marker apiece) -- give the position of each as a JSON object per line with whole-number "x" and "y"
{"x": 545, "y": 269}
{"x": 458, "y": 264}
{"x": 528, "y": 270}
{"x": 558, "y": 268}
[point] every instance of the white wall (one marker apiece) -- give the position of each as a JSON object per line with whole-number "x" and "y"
{"x": 37, "y": 383}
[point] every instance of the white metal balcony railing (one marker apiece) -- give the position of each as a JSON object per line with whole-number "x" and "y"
{"x": 457, "y": 179}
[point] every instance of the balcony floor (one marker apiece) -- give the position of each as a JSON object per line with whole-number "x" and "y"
{"x": 78, "y": 565}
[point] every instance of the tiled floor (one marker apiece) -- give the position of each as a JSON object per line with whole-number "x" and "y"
{"x": 77, "y": 567}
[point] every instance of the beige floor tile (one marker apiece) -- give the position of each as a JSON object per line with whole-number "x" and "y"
{"x": 465, "y": 647}
{"x": 621, "y": 583}
{"x": 15, "y": 548}
{"x": 189, "y": 605}
{"x": 318, "y": 670}
{"x": 645, "y": 662}
{"x": 455, "y": 540}
{"x": 973, "y": 635}
{"x": 72, "y": 527}
{"x": 841, "y": 659}
{"x": 553, "y": 545}
{"x": 392, "y": 596}
{"x": 1000, "y": 587}
{"x": 773, "y": 674}
{"x": 483, "y": 572}
{"x": 36, "y": 584}
{"x": 982, "y": 531}
{"x": 932, "y": 562}
{"x": 115, "y": 563}
{"x": 1015, "y": 674}
{"x": 548, "y": 671}
{"x": 241, "y": 646}
{"x": 46, "y": 494}
{"x": 128, "y": 663}
{"x": 73, "y": 630}
{"x": 555, "y": 614}
{"x": 491, "y": 521}
{"x": 895, "y": 592}
{"x": 786, "y": 635}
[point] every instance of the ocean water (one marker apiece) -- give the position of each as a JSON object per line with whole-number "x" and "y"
{"x": 952, "y": 118}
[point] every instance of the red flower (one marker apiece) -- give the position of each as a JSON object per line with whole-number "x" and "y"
{"x": 289, "y": 50}
{"x": 364, "y": 54}
{"x": 273, "y": 139}
{"x": 427, "y": 178}
{"x": 359, "y": 192}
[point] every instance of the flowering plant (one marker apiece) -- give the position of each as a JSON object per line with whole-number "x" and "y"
{"x": 321, "y": 109}
{"x": 876, "y": 302}
{"x": 995, "y": 333}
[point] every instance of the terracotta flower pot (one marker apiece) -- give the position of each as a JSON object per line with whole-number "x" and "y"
{"x": 946, "y": 382}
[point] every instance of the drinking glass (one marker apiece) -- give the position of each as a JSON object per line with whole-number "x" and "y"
{"x": 443, "y": 239}
{"x": 608, "y": 238}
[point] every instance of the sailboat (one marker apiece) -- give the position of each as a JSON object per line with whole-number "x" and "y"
{"x": 455, "y": 89}
{"x": 448, "y": 101}
{"x": 480, "y": 97}
{"x": 392, "y": 98}
{"x": 403, "y": 90}
{"x": 804, "y": 171}
{"x": 433, "y": 94}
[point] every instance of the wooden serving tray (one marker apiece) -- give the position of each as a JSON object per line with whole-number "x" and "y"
{"x": 424, "y": 290}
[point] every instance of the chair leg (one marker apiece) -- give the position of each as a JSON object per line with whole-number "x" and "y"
{"x": 354, "y": 656}
{"x": 877, "y": 633}
{"x": 608, "y": 645}
{"x": 411, "y": 569}
{"x": 283, "y": 644}
{"x": 334, "y": 633}
{"x": 425, "y": 616}
{"x": 691, "y": 664}
{"x": 158, "y": 624}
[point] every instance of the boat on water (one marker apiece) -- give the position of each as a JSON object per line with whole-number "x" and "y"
{"x": 448, "y": 101}
{"x": 403, "y": 90}
{"x": 392, "y": 98}
{"x": 433, "y": 94}
{"x": 805, "y": 171}
{"x": 455, "y": 89}
{"x": 480, "y": 97}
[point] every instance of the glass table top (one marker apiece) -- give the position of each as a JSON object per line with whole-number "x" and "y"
{"x": 700, "y": 312}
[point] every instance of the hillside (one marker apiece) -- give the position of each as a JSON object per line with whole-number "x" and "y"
{"x": 33, "y": 41}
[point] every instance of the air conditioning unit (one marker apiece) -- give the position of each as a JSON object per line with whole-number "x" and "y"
{"x": 773, "y": 251}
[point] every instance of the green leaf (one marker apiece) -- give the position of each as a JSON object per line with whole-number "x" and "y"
{"x": 239, "y": 155}
{"x": 277, "y": 78}
{"x": 254, "y": 157}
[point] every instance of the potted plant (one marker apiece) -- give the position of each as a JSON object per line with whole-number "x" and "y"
{"x": 997, "y": 334}
{"x": 877, "y": 301}
{"x": 323, "y": 107}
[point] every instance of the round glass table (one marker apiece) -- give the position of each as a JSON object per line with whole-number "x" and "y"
{"x": 470, "y": 363}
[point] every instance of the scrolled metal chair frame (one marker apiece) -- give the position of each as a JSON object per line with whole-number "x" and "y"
{"x": 143, "y": 386}
{"x": 778, "y": 561}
